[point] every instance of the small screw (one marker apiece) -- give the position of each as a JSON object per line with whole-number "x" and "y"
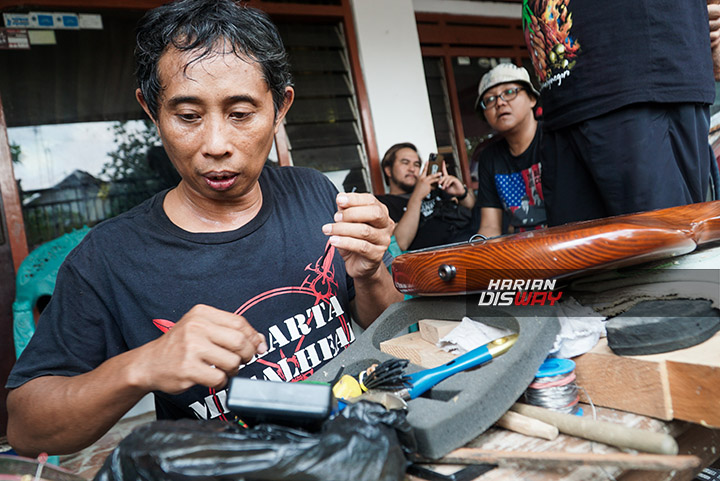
{"x": 447, "y": 272}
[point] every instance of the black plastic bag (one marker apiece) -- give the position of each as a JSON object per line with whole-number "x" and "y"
{"x": 363, "y": 442}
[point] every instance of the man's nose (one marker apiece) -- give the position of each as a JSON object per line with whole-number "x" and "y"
{"x": 217, "y": 137}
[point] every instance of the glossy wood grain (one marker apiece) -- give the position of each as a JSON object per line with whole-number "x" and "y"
{"x": 560, "y": 251}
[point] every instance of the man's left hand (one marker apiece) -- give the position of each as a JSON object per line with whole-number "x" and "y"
{"x": 361, "y": 233}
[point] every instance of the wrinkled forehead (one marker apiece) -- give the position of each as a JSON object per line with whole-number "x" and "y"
{"x": 176, "y": 59}
{"x": 204, "y": 70}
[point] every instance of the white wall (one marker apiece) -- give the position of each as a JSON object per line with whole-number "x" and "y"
{"x": 392, "y": 66}
{"x": 462, "y": 7}
{"x": 391, "y": 62}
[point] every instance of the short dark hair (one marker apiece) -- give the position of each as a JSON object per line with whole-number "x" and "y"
{"x": 389, "y": 158}
{"x": 200, "y": 25}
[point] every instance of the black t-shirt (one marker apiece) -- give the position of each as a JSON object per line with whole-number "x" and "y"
{"x": 135, "y": 275}
{"x": 442, "y": 219}
{"x": 513, "y": 183}
{"x": 592, "y": 57}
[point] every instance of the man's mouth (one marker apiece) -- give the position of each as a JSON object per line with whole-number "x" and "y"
{"x": 220, "y": 180}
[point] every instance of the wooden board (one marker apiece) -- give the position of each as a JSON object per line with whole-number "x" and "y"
{"x": 694, "y": 378}
{"x": 682, "y": 384}
{"x": 433, "y": 330}
{"x": 413, "y": 347}
{"x": 628, "y": 383}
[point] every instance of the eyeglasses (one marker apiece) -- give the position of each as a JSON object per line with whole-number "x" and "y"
{"x": 507, "y": 95}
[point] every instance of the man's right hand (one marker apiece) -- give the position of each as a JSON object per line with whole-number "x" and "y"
{"x": 425, "y": 183}
{"x": 206, "y": 347}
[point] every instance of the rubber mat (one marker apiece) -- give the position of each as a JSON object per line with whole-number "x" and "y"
{"x": 663, "y": 325}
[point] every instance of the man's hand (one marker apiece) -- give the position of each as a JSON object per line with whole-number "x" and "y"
{"x": 206, "y": 347}
{"x": 426, "y": 183}
{"x": 714, "y": 16}
{"x": 450, "y": 183}
{"x": 455, "y": 188}
{"x": 361, "y": 233}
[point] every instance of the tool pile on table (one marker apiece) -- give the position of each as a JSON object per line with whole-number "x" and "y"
{"x": 566, "y": 253}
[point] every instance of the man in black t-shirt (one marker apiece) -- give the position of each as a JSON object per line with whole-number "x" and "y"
{"x": 509, "y": 171}
{"x": 238, "y": 270}
{"x": 429, "y": 209}
{"x": 625, "y": 88}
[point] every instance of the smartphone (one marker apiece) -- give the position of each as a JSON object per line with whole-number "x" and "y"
{"x": 434, "y": 164}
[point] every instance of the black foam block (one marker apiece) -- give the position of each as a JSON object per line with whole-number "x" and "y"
{"x": 652, "y": 327}
{"x": 463, "y": 406}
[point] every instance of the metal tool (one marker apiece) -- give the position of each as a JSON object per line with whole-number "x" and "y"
{"x": 422, "y": 381}
{"x": 388, "y": 399}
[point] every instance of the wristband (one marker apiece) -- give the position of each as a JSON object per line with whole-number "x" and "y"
{"x": 462, "y": 197}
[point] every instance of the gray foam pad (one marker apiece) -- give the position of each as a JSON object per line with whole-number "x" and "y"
{"x": 651, "y": 327}
{"x": 463, "y": 406}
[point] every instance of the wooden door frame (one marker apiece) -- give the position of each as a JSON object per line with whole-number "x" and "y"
{"x": 448, "y": 36}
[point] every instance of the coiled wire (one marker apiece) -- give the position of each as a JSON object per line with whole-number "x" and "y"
{"x": 555, "y": 392}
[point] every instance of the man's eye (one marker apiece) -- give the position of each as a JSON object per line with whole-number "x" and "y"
{"x": 490, "y": 99}
{"x": 188, "y": 117}
{"x": 509, "y": 91}
{"x": 239, "y": 115}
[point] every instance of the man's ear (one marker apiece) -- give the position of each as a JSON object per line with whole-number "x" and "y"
{"x": 283, "y": 110}
{"x": 141, "y": 100}
{"x": 388, "y": 173}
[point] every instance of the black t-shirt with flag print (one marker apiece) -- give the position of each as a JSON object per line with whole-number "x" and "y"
{"x": 513, "y": 183}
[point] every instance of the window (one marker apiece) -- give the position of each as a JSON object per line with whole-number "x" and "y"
{"x": 457, "y": 51}
{"x": 323, "y": 126}
{"x": 77, "y": 135}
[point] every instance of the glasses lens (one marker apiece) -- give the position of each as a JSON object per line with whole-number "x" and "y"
{"x": 489, "y": 102}
{"x": 510, "y": 94}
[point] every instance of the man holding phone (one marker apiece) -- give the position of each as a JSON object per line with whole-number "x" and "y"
{"x": 430, "y": 206}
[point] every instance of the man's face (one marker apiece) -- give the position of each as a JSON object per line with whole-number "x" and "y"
{"x": 505, "y": 116}
{"x": 216, "y": 121}
{"x": 405, "y": 170}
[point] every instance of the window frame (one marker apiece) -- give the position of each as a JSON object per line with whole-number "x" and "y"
{"x": 448, "y": 36}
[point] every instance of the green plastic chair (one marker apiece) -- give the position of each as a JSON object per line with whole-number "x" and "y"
{"x": 36, "y": 279}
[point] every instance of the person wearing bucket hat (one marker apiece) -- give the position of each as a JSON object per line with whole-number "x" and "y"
{"x": 501, "y": 74}
{"x": 509, "y": 170}
{"x": 626, "y": 90}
